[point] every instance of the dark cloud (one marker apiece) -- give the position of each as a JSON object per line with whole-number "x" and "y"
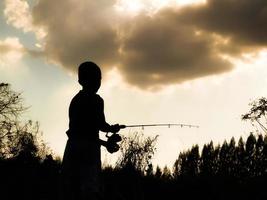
{"x": 160, "y": 50}
{"x": 171, "y": 46}
{"x": 78, "y": 31}
{"x": 243, "y": 22}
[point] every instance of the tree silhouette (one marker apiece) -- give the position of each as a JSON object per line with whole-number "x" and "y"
{"x": 136, "y": 152}
{"x": 25, "y": 168}
{"x": 11, "y": 108}
{"x": 180, "y": 166}
{"x": 10, "y": 103}
{"x": 258, "y": 114}
{"x": 250, "y": 155}
{"x": 193, "y": 159}
{"x": 259, "y": 157}
{"x": 158, "y": 172}
{"x": 166, "y": 174}
{"x": 240, "y": 155}
{"x": 17, "y": 137}
{"x": 209, "y": 159}
{"x": 264, "y": 154}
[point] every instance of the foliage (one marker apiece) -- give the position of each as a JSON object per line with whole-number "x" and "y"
{"x": 258, "y": 114}
{"x": 17, "y": 137}
{"x": 136, "y": 152}
{"x": 26, "y": 163}
{"x": 239, "y": 161}
{"x": 10, "y": 103}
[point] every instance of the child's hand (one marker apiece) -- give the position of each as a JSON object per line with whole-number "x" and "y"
{"x": 116, "y": 128}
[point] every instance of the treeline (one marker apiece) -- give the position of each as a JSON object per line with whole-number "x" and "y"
{"x": 242, "y": 161}
{"x": 228, "y": 171}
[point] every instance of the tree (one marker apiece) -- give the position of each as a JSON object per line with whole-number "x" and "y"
{"x": 28, "y": 143}
{"x": 224, "y": 160}
{"x": 208, "y": 165}
{"x": 166, "y": 173}
{"x": 158, "y": 172}
{"x": 10, "y": 109}
{"x": 179, "y": 167}
{"x": 187, "y": 164}
{"x": 193, "y": 160}
{"x": 264, "y": 153}
{"x": 258, "y": 114}
{"x": 137, "y": 152}
{"x": 232, "y": 158}
{"x": 241, "y": 157}
{"x": 259, "y": 156}
{"x": 10, "y": 103}
{"x": 250, "y": 151}
{"x": 17, "y": 137}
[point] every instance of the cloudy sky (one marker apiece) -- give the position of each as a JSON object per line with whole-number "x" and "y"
{"x": 163, "y": 61}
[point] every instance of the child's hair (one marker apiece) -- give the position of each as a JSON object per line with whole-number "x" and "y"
{"x": 88, "y": 70}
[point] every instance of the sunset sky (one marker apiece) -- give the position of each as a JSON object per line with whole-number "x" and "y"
{"x": 163, "y": 61}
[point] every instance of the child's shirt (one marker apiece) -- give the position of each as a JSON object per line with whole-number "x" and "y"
{"x": 86, "y": 116}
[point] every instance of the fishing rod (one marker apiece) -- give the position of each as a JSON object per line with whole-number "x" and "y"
{"x": 113, "y": 147}
{"x": 150, "y": 125}
{"x": 114, "y": 138}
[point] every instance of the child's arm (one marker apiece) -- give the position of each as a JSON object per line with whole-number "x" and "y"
{"x": 104, "y": 126}
{"x": 102, "y": 142}
{"x": 110, "y": 128}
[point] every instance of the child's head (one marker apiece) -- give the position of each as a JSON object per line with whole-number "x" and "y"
{"x": 89, "y": 75}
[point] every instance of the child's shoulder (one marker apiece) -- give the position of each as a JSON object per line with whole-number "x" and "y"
{"x": 85, "y": 97}
{"x": 77, "y": 96}
{"x": 99, "y": 98}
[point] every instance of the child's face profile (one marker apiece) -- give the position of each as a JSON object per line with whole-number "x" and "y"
{"x": 89, "y": 75}
{"x": 92, "y": 84}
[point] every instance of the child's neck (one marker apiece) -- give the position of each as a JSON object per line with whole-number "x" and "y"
{"x": 88, "y": 90}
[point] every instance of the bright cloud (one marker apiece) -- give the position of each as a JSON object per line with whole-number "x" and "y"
{"x": 11, "y": 51}
{"x": 135, "y": 7}
{"x": 18, "y": 14}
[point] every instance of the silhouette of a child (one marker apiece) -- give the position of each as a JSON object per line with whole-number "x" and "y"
{"x": 82, "y": 162}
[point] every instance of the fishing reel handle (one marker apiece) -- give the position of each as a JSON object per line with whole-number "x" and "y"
{"x": 113, "y": 139}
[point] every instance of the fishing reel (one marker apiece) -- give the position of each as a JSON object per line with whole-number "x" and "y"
{"x": 112, "y": 141}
